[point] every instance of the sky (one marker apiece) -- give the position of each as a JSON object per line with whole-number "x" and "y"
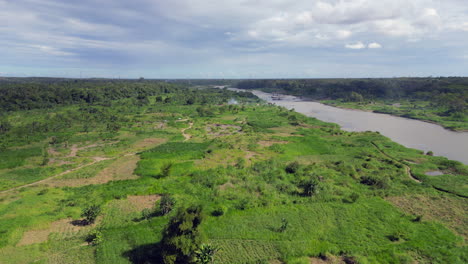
{"x": 233, "y": 38}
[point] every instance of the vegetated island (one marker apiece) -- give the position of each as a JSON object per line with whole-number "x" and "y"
{"x": 142, "y": 171}
{"x": 443, "y": 101}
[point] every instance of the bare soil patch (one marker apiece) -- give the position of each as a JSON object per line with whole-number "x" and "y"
{"x": 448, "y": 210}
{"x": 284, "y": 131}
{"x": 268, "y": 143}
{"x": 149, "y": 143}
{"x": 121, "y": 169}
{"x": 65, "y": 227}
{"x": 226, "y": 185}
{"x": 223, "y": 130}
{"x": 141, "y": 202}
{"x": 187, "y": 136}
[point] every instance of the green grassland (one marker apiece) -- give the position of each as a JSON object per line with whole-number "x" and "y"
{"x": 251, "y": 167}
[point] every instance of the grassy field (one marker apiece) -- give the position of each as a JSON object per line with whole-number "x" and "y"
{"x": 253, "y": 167}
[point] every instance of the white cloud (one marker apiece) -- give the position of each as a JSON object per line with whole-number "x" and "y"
{"x": 343, "y": 34}
{"x": 357, "y": 45}
{"x": 51, "y": 50}
{"x": 374, "y": 45}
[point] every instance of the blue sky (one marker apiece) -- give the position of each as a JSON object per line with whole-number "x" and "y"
{"x": 233, "y": 38}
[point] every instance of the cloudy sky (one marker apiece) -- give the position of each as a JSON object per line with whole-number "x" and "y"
{"x": 233, "y": 38}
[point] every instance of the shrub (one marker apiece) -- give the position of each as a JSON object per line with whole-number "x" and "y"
{"x": 309, "y": 186}
{"x": 182, "y": 236}
{"x": 91, "y": 213}
{"x": 166, "y": 204}
{"x": 380, "y": 183}
{"x": 166, "y": 169}
{"x": 205, "y": 254}
{"x": 219, "y": 211}
{"x": 292, "y": 167}
{"x": 94, "y": 237}
{"x": 284, "y": 225}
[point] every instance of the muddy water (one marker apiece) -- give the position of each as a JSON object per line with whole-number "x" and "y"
{"x": 408, "y": 132}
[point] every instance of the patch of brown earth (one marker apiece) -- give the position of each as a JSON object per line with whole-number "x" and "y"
{"x": 121, "y": 169}
{"x": 187, "y": 136}
{"x": 249, "y": 154}
{"x": 446, "y": 209}
{"x": 66, "y": 227}
{"x": 58, "y": 162}
{"x": 141, "y": 202}
{"x": 222, "y": 130}
{"x": 275, "y": 261}
{"x": 149, "y": 143}
{"x": 159, "y": 125}
{"x": 53, "y": 152}
{"x": 226, "y": 185}
{"x": 284, "y": 131}
{"x": 268, "y": 143}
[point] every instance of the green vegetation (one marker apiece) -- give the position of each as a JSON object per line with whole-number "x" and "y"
{"x": 158, "y": 181}
{"x": 441, "y": 100}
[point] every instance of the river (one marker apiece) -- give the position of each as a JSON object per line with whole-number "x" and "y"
{"x": 408, "y": 132}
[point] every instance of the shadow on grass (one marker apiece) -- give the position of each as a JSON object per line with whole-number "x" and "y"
{"x": 145, "y": 254}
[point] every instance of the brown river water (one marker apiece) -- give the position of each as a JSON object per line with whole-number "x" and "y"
{"x": 408, "y": 132}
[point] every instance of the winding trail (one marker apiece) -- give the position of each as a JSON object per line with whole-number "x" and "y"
{"x": 410, "y": 174}
{"x": 96, "y": 160}
{"x": 407, "y": 168}
{"x": 187, "y": 136}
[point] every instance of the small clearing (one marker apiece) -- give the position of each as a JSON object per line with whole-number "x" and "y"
{"x": 121, "y": 169}
{"x": 65, "y": 227}
{"x": 141, "y": 202}
{"x": 268, "y": 143}
{"x": 446, "y": 209}
{"x": 434, "y": 173}
{"x": 148, "y": 143}
{"x": 223, "y": 130}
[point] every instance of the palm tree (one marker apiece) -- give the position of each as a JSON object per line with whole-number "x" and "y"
{"x": 205, "y": 254}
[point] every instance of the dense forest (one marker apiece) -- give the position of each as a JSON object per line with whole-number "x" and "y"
{"x": 450, "y": 91}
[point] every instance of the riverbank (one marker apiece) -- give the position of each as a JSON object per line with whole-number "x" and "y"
{"x": 411, "y": 133}
{"x": 414, "y": 110}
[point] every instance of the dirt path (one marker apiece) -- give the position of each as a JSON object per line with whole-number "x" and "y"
{"x": 187, "y": 136}
{"x": 96, "y": 160}
{"x": 407, "y": 168}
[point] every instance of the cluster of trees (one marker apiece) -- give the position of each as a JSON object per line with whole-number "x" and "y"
{"x": 33, "y": 95}
{"x": 451, "y": 92}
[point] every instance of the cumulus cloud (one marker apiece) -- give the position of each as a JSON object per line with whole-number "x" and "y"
{"x": 185, "y": 32}
{"x": 357, "y": 45}
{"x": 374, "y": 45}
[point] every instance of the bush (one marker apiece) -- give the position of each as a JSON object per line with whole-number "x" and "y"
{"x": 380, "y": 183}
{"x": 166, "y": 169}
{"x": 166, "y": 204}
{"x": 292, "y": 167}
{"x": 219, "y": 211}
{"x": 182, "y": 236}
{"x": 94, "y": 237}
{"x": 91, "y": 213}
{"x": 309, "y": 186}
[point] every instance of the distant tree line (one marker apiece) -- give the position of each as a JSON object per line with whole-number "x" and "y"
{"x": 49, "y": 93}
{"x": 33, "y": 95}
{"x": 451, "y": 92}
